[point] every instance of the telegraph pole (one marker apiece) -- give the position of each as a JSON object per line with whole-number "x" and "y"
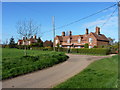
{"x": 118, "y": 43}
{"x": 119, "y": 27}
{"x": 119, "y": 21}
{"x": 53, "y": 22}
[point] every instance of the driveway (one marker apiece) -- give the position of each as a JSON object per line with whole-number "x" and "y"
{"x": 52, "y": 76}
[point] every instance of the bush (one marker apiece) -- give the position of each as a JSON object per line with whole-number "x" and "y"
{"x": 86, "y": 45}
{"x": 95, "y": 47}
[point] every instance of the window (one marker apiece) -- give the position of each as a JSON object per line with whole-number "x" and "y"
{"x": 79, "y": 47}
{"x": 68, "y": 46}
{"x": 56, "y": 41}
{"x": 79, "y": 40}
{"x": 90, "y": 40}
{"x": 60, "y": 45}
{"x": 90, "y": 46}
{"x": 29, "y": 42}
{"x": 68, "y": 41}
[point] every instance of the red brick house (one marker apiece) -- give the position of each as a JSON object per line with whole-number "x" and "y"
{"x": 78, "y": 41}
{"x": 29, "y": 41}
{"x": 48, "y": 43}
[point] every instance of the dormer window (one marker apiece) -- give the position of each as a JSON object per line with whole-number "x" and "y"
{"x": 79, "y": 40}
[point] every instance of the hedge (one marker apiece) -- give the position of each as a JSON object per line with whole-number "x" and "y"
{"x": 100, "y": 51}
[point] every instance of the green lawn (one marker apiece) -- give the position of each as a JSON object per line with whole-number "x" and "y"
{"x": 14, "y": 62}
{"x": 100, "y": 74}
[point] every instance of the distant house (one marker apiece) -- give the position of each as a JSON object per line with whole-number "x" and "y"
{"x": 29, "y": 41}
{"x": 78, "y": 41}
{"x": 48, "y": 43}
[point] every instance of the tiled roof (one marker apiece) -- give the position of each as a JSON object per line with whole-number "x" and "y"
{"x": 65, "y": 38}
{"x": 100, "y": 37}
{"x": 20, "y": 40}
{"x": 84, "y": 37}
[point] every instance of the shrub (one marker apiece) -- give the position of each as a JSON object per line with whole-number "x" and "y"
{"x": 86, "y": 45}
{"x": 95, "y": 47}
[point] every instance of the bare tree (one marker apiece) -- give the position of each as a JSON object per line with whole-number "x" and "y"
{"x": 111, "y": 40}
{"x": 27, "y": 28}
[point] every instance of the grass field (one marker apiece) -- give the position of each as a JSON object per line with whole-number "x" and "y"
{"x": 14, "y": 62}
{"x": 100, "y": 74}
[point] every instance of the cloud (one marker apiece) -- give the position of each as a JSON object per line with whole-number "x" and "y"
{"x": 100, "y": 21}
{"x": 110, "y": 28}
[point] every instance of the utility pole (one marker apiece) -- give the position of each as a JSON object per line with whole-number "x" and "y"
{"x": 119, "y": 21}
{"x": 118, "y": 86}
{"x": 53, "y": 22}
{"x": 119, "y": 27}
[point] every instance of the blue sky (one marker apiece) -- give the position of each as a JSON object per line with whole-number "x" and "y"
{"x": 64, "y": 12}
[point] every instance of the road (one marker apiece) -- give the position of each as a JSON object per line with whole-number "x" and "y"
{"x": 52, "y": 76}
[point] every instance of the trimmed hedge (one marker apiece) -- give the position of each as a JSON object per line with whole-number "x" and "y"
{"x": 100, "y": 51}
{"x": 97, "y": 51}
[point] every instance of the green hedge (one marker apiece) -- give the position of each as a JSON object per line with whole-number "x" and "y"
{"x": 100, "y": 51}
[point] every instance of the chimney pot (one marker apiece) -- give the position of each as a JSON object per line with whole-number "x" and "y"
{"x": 86, "y": 30}
{"x": 34, "y": 37}
{"x": 70, "y": 33}
{"x": 31, "y": 36}
{"x": 97, "y": 30}
{"x": 63, "y": 33}
{"x": 23, "y": 38}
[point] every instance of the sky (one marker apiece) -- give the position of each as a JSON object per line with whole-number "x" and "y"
{"x": 65, "y": 12}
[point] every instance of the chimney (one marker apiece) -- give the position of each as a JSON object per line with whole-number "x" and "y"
{"x": 63, "y": 33}
{"x": 31, "y": 36}
{"x": 23, "y": 38}
{"x": 70, "y": 33}
{"x": 86, "y": 30}
{"x": 97, "y": 30}
{"x": 34, "y": 36}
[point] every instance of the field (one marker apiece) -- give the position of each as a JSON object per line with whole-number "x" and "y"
{"x": 14, "y": 62}
{"x": 100, "y": 74}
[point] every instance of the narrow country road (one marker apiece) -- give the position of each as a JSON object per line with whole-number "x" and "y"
{"x": 52, "y": 76}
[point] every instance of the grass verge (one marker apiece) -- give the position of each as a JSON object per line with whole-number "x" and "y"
{"x": 14, "y": 62}
{"x": 100, "y": 74}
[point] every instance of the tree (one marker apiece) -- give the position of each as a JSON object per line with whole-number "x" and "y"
{"x": 40, "y": 42}
{"x": 27, "y": 28}
{"x": 12, "y": 42}
{"x": 111, "y": 40}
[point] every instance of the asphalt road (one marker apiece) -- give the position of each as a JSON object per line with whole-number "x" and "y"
{"x": 52, "y": 76}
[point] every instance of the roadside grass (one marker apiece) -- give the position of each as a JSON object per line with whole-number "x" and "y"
{"x": 14, "y": 62}
{"x": 100, "y": 74}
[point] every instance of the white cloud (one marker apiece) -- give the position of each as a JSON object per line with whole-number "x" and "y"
{"x": 110, "y": 29}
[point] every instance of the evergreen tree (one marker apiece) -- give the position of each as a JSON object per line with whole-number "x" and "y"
{"x": 12, "y": 42}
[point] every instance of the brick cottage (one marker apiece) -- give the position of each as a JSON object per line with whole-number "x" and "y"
{"x": 29, "y": 41}
{"x": 78, "y": 41}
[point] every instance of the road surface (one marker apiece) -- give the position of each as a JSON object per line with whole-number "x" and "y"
{"x": 52, "y": 76}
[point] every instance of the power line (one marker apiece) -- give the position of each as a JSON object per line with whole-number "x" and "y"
{"x": 82, "y": 18}
{"x": 109, "y": 17}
